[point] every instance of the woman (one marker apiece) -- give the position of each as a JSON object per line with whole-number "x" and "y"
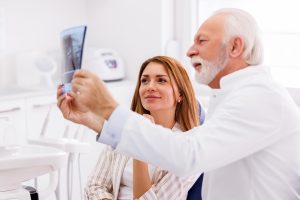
{"x": 163, "y": 94}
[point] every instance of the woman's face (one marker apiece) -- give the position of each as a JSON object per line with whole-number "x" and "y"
{"x": 156, "y": 91}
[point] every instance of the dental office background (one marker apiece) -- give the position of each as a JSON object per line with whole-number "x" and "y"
{"x": 30, "y": 58}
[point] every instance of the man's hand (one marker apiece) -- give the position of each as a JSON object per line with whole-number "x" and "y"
{"x": 92, "y": 94}
{"x": 76, "y": 112}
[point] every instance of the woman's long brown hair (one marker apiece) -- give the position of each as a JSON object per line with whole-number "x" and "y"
{"x": 187, "y": 109}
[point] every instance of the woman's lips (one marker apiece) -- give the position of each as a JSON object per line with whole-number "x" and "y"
{"x": 151, "y": 98}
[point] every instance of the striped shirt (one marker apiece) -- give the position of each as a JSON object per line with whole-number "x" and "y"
{"x": 104, "y": 181}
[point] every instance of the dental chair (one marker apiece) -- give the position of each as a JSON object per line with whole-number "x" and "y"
{"x": 73, "y": 146}
{"x": 20, "y": 163}
{"x": 195, "y": 191}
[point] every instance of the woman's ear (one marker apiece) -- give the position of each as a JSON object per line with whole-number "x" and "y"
{"x": 179, "y": 98}
{"x": 237, "y": 47}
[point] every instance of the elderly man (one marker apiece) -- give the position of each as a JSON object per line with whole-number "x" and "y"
{"x": 249, "y": 147}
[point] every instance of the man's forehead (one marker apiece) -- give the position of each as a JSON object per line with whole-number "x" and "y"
{"x": 212, "y": 26}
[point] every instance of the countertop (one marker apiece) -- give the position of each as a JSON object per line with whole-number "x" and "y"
{"x": 17, "y": 92}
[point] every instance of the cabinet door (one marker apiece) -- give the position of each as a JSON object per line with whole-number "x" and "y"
{"x": 43, "y": 117}
{"x": 12, "y": 122}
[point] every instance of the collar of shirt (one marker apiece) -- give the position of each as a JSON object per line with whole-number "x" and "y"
{"x": 236, "y": 78}
{"x": 176, "y": 127}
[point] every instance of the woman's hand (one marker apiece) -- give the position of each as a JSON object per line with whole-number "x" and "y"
{"x": 141, "y": 179}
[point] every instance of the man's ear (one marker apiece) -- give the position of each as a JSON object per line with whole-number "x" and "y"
{"x": 237, "y": 47}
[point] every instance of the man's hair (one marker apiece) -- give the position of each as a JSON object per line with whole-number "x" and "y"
{"x": 240, "y": 23}
{"x": 186, "y": 114}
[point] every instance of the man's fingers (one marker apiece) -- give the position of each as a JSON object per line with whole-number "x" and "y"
{"x": 85, "y": 75}
{"x": 79, "y": 81}
{"x": 60, "y": 99}
{"x": 82, "y": 74}
{"x": 59, "y": 91}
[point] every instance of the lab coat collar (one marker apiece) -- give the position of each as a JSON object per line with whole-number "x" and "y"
{"x": 176, "y": 127}
{"x": 231, "y": 80}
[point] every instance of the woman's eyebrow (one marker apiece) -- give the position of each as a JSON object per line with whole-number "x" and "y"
{"x": 157, "y": 75}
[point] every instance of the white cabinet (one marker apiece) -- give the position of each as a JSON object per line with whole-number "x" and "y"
{"x": 43, "y": 117}
{"x": 13, "y": 123}
{"x": 27, "y": 113}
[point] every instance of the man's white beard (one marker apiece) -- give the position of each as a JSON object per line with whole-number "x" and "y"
{"x": 209, "y": 70}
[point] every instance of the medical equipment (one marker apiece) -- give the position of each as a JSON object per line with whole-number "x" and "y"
{"x": 19, "y": 163}
{"x": 71, "y": 146}
{"x": 72, "y": 40}
{"x": 35, "y": 70}
{"x": 107, "y": 63}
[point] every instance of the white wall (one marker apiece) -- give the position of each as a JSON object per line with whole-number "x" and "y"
{"x": 131, "y": 27}
{"x": 34, "y": 25}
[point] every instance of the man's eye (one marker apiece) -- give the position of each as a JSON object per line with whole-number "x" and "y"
{"x": 202, "y": 41}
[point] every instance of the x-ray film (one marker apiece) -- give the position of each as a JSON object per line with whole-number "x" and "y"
{"x": 72, "y": 40}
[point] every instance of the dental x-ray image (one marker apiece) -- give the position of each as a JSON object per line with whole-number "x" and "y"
{"x": 72, "y": 40}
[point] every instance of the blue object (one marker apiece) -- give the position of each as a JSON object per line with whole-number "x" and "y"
{"x": 195, "y": 191}
{"x": 67, "y": 81}
{"x": 67, "y": 87}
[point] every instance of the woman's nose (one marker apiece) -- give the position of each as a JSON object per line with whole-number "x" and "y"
{"x": 151, "y": 86}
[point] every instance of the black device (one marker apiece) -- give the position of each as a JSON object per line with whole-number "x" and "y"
{"x": 32, "y": 191}
{"x": 72, "y": 40}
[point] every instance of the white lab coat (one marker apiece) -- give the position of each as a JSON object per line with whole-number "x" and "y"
{"x": 248, "y": 148}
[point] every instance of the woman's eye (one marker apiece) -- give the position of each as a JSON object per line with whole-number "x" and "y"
{"x": 162, "y": 80}
{"x": 144, "y": 81}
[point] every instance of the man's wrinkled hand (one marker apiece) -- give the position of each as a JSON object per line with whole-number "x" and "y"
{"x": 76, "y": 112}
{"x": 91, "y": 93}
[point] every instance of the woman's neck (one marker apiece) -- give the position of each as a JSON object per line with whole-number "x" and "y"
{"x": 166, "y": 119}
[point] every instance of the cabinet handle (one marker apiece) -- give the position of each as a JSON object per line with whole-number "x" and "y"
{"x": 5, "y": 118}
{"x": 43, "y": 105}
{"x": 10, "y": 110}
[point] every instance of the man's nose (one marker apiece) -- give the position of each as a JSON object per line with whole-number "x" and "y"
{"x": 192, "y": 51}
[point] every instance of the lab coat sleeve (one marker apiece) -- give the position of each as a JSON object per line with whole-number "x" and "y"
{"x": 245, "y": 122}
{"x": 170, "y": 187}
{"x": 111, "y": 132}
{"x": 99, "y": 185}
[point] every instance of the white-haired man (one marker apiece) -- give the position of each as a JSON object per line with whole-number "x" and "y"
{"x": 249, "y": 147}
